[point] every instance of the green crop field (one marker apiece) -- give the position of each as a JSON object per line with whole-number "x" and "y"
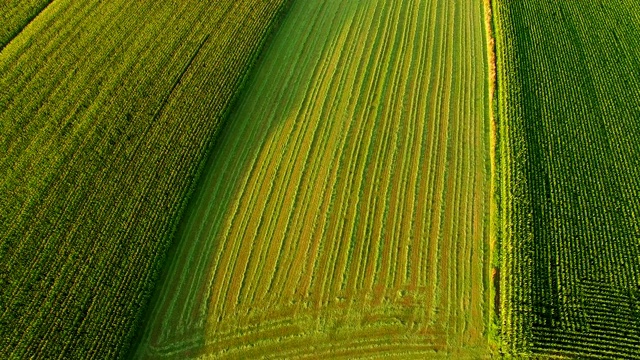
{"x": 569, "y": 104}
{"x": 103, "y": 126}
{"x": 319, "y": 179}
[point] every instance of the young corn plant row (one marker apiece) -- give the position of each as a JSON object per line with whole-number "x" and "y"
{"x": 568, "y": 104}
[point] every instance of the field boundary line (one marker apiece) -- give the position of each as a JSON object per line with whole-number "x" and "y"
{"x": 25, "y": 24}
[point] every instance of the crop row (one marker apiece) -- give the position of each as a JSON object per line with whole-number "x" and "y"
{"x": 107, "y": 110}
{"x": 568, "y": 109}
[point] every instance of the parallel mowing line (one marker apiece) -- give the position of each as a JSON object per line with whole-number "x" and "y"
{"x": 431, "y": 187}
{"x": 305, "y": 109}
{"x": 389, "y": 165}
{"x": 362, "y": 102}
{"x": 335, "y": 133}
{"x": 254, "y": 264}
{"x": 406, "y": 203}
{"x": 349, "y": 239}
{"x": 427, "y": 170}
{"x": 295, "y": 238}
{"x": 329, "y": 198}
{"x": 454, "y": 186}
{"x": 376, "y": 91}
{"x": 371, "y": 184}
{"x": 468, "y": 183}
{"x": 474, "y": 135}
{"x": 368, "y": 106}
{"x": 263, "y": 252}
{"x": 276, "y": 277}
{"x": 458, "y": 186}
{"x": 263, "y": 292}
{"x": 321, "y": 88}
{"x": 218, "y": 263}
{"x": 409, "y": 223}
{"x": 423, "y": 90}
{"x": 403, "y": 176}
{"x": 439, "y": 174}
{"x": 451, "y": 194}
{"x": 339, "y": 78}
{"x": 412, "y": 273}
{"x": 333, "y": 229}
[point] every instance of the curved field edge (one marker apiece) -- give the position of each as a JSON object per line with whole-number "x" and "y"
{"x": 303, "y": 232}
{"x": 102, "y": 140}
{"x": 15, "y": 15}
{"x": 162, "y": 268}
{"x": 568, "y": 110}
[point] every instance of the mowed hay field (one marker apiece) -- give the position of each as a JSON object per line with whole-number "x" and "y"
{"x": 569, "y": 104}
{"x": 345, "y": 209}
{"x": 104, "y": 123}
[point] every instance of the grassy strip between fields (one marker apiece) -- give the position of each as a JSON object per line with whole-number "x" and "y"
{"x": 107, "y": 110}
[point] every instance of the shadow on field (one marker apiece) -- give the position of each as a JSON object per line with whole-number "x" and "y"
{"x": 178, "y": 315}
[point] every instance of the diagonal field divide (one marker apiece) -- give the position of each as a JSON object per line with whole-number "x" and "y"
{"x": 346, "y": 207}
{"x": 16, "y": 15}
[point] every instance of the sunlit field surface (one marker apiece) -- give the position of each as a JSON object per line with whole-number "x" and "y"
{"x": 345, "y": 209}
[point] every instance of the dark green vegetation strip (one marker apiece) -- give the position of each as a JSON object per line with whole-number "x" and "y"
{"x": 569, "y": 107}
{"x": 106, "y": 110}
{"x": 15, "y": 15}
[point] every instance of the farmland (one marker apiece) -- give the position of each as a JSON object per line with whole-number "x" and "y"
{"x": 103, "y": 126}
{"x": 345, "y": 209}
{"x": 15, "y": 15}
{"x": 234, "y": 179}
{"x": 569, "y": 104}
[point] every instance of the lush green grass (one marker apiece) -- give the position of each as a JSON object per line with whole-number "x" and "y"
{"x": 569, "y": 108}
{"x": 106, "y": 110}
{"x": 345, "y": 210}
